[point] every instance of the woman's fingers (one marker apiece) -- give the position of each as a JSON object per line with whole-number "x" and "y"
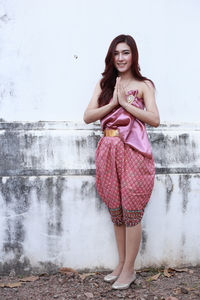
{"x": 116, "y": 83}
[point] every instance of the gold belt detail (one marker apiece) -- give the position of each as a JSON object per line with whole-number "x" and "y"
{"x": 111, "y": 132}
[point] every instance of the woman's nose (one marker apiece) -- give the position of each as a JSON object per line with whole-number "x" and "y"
{"x": 120, "y": 56}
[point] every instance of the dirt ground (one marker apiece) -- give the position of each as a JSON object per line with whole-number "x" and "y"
{"x": 151, "y": 284}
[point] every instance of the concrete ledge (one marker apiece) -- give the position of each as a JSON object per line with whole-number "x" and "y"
{"x": 67, "y": 148}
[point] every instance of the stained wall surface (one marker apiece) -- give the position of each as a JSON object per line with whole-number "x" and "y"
{"x": 51, "y": 215}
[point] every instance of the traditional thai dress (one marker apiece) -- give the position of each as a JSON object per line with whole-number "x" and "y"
{"x": 125, "y": 168}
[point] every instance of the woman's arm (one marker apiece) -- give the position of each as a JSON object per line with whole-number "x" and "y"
{"x": 151, "y": 114}
{"x": 93, "y": 112}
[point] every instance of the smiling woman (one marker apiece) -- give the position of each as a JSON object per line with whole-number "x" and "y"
{"x": 124, "y": 101}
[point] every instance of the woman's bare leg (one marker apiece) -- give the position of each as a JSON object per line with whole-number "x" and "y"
{"x": 133, "y": 238}
{"x": 120, "y": 236}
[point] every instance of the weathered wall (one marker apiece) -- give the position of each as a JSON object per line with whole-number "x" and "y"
{"x": 52, "y": 216}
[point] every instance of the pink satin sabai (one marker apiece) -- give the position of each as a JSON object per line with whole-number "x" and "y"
{"x": 131, "y": 130}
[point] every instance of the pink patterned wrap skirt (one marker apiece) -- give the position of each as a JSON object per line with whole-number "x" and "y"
{"x": 124, "y": 180}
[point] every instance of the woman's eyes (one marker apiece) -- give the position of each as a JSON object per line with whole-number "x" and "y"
{"x": 126, "y": 53}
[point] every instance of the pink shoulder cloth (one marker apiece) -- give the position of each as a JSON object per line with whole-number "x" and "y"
{"x": 131, "y": 130}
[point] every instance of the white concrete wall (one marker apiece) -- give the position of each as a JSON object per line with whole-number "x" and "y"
{"x": 52, "y": 54}
{"x": 51, "y": 215}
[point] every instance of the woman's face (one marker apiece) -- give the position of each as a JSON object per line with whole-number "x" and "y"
{"x": 122, "y": 57}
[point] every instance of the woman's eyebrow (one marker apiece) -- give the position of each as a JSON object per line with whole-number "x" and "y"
{"x": 116, "y": 51}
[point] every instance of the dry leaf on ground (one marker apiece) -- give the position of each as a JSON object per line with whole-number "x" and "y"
{"x": 167, "y": 272}
{"x": 89, "y": 295}
{"x": 84, "y": 275}
{"x": 177, "y": 291}
{"x": 14, "y": 284}
{"x": 95, "y": 284}
{"x": 143, "y": 270}
{"x": 180, "y": 270}
{"x": 155, "y": 277}
{"x": 67, "y": 270}
{"x": 29, "y": 279}
{"x": 10, "y": 284}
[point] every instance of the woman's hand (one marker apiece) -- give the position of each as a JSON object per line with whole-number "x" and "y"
{"x": 121, "y": 93}
{"x": 93, "y": 112}
{"x": 150, "y": 115}
{"x": 115, "y": 101}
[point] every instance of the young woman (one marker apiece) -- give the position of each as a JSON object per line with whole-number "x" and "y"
{"x": 124, "y": 101}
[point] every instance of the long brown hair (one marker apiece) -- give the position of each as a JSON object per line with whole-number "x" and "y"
{"x": 110, "y": 73}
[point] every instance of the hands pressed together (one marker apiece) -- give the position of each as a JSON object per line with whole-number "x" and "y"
{"x": 119, "y": 95}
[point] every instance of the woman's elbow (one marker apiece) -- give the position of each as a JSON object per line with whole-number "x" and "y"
{"x": 156, "y": 122}
{"x": 86, "y": 119}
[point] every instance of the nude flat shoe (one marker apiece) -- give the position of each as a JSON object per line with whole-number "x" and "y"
{"x": 110, "y": 278}
{"x": 124, "y": 286}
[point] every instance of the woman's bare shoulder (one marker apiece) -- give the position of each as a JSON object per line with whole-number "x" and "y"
{"x": 98, "y": 85}
{"x": 146, "y": 88}
{"x": 96, "y": 93}
{"x": 147, "y": 84}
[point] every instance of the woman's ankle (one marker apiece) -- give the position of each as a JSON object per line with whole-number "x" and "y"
{"x": 128, "y": 269}
{"x": 118, "y": 268}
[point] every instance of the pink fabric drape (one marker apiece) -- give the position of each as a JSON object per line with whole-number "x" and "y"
{"x": 131, "y": 130}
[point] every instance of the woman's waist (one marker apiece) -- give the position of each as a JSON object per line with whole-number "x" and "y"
{"x": 110, "y": 132}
